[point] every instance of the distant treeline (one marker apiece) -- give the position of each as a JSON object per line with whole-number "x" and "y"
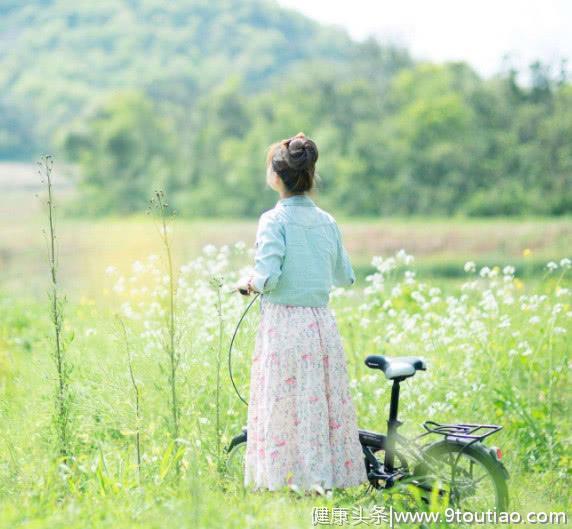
{"x": 191, "y": 111}
{"x": 436, "y": 140}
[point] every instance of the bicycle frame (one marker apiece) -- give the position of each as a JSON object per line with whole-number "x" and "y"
{"x": 467, "y": 434}
{"x": 387, "y": 471}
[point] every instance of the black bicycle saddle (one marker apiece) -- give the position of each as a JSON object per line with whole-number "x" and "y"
{"x": 398, "y": 367}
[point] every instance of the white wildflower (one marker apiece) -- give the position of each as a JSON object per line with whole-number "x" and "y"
{"x": 485, "y": 271}
{"x": 470, "y": 266}
{"x": 552, "y": 266}
{"x": 409, "y": 277}
{"x": 396, "y": 291}
{"x": 403, "y": 257}
{"x": 508, "y": 270}
{"x": 209, "y": 250}
{"x": 364, "y": 322}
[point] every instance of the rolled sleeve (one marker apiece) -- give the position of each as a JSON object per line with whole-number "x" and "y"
{"x": 344, "y": 275}
{"x": 270, "y": 251}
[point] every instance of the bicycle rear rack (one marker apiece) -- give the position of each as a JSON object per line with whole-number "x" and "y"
{"x": 474, "y": 432}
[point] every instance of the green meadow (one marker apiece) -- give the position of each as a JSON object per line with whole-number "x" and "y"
{"x": 496, "y": 334}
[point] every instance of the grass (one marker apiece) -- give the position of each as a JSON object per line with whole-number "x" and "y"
{"x": 471, "y": 377}
{"x": 497, "y": 347}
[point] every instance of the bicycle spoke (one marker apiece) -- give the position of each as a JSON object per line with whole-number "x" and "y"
{"x": 472, "y": 486}
{"x": 478, "y": 480}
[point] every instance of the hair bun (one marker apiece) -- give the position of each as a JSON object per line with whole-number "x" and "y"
{"x": 301, "y": 152}
{"x": 294, "y": 160}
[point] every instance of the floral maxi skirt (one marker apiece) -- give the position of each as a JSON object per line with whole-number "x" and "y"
{"x": 302, "y": 426}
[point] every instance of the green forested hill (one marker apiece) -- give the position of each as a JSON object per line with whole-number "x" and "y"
{"x": 186, "y": 95}
{"x": 57, "y": 57}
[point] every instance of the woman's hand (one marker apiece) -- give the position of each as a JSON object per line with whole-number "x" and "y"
{"x": 245, "y": 286}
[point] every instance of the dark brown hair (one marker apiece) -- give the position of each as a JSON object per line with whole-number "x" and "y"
{"x": 294, "y": 160}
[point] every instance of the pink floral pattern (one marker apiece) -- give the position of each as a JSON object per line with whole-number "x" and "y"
{"x": 302, "y": 425}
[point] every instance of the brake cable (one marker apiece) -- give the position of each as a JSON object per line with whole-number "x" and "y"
{"x": 232, "y": 343}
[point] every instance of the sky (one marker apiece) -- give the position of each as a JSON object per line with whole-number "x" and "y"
{"x": 479, "y": 32}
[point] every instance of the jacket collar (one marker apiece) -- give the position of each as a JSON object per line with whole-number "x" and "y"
{"x": 297, "y": 200}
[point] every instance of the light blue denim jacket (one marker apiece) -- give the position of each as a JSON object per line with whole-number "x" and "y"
{"x": 299, "y": 254}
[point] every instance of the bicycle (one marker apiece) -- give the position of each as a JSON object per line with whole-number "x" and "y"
{"x": 459, "y": 466}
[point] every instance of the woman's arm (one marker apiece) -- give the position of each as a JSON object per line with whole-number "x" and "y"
{"x": 270, "y": 251}
{"x": 343, "y": 273}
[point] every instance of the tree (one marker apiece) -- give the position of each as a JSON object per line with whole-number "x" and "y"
{"x": 125, "y": 151}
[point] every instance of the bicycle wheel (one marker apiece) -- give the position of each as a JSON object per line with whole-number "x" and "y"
{"x": 474, "y": 480}
{"x": 235, "y": 463}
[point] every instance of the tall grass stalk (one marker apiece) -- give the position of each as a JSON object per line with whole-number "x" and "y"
{"x": 171, "y": 342}
{"x": 217, "y": 283}
{"x": 136, "y": 394}
{"x": 63, "y": 368}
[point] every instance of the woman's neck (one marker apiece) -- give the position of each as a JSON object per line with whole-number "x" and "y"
{"x": 288, "y": 194}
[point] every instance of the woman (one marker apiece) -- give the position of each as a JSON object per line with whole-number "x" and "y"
{"x": 302, "y": 428}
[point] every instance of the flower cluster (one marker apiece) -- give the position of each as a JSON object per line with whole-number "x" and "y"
{"x": 203, "y": 294}
{"x": 491, "y": 343}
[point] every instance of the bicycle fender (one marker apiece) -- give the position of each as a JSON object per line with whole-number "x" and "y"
{"x": 237, "y": 439}
{"x": 485, "y": 450}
